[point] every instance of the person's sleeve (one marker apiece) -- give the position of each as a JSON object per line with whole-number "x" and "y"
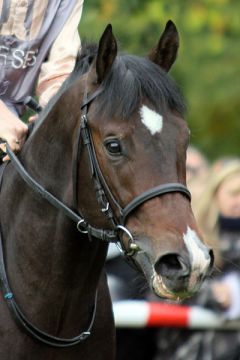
{"x": 62, "y": 57}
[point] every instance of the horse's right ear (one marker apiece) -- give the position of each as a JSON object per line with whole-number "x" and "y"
{"x": 165, "y": 53}
{"x": 107, "y": 52}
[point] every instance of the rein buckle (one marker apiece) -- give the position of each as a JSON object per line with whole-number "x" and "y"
{"x": 82, "y": 226}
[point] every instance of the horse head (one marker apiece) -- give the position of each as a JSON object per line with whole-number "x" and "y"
{"x": 140, "y": 140}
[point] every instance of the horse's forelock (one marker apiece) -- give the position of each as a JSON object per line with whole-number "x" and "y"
{"x": 133, "y": 78}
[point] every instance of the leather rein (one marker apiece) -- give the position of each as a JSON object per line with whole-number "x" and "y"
{"x": 104, "y": 197}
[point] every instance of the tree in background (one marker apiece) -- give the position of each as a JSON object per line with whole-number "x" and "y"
{"x": 208, "y": 64}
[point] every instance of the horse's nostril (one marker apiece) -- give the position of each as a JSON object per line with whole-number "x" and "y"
{"x": 171, "y": 265}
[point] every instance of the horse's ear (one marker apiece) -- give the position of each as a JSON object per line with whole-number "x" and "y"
{"x": 165, "y": 53}
{"x": 107, "y": 52}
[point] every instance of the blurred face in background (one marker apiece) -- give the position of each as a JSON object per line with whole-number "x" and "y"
{"x": 196, "y": 165}
{"x": 228, "y": 197}
{"x": 197, "y": 170}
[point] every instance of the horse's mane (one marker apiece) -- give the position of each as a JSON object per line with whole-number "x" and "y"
{"x": 130, "y": 79}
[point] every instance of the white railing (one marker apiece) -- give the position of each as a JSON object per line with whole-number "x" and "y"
{"x": 139, "y": 314}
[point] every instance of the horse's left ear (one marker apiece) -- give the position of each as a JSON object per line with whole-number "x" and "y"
{"x": 165, "y": 53}
{"x": 107, "y": 52}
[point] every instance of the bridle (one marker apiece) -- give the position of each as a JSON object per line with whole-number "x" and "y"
{"x": 105, "y": 199}
{"x": 104, "y": 195}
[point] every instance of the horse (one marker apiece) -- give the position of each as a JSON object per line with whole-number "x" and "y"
{"x": 104, "y": 163}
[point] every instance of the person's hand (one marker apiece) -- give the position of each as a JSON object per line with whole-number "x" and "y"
{"x": 222, "y": 294}
{"x": 32, "y": 118}
{"x": 12, "y": 129}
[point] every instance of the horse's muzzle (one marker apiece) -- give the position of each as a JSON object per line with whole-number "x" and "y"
{"x": 176, "y": 277}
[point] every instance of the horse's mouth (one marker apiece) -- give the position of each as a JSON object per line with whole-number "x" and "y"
{"x": 163, "y": 291}
{"x": 160, "y": 288}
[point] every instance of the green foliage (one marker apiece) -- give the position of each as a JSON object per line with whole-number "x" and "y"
{"x": 207, "y": 68}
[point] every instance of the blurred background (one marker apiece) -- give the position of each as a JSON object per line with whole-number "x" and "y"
{"x": 208, "y": 65}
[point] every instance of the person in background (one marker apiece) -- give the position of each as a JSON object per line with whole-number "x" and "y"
{"x": 39, "y": 42}
{"x": 218, "y": 216}
{"x": 197, "y": 171}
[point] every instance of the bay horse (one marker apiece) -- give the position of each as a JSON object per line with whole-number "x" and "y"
{"x": 104, "y": 163}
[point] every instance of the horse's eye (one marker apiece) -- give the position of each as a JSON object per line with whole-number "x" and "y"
{"x": 113, "y": 147}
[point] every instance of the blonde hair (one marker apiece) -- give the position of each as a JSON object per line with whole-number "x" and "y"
{"x": 206, "y": 211}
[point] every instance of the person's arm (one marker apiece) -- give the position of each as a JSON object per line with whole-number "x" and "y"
{"x": 62, "y": 57}
{"x": 12, "y": 129}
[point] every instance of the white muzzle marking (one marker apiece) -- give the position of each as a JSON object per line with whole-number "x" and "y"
{"x": 200, "y": 259}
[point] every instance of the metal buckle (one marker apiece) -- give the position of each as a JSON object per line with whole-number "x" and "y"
{"x": 85, "y": 335}
{"x": 106, "y": 208}
{"x": 131, "y": 244}
{"x": 82, "y": 226}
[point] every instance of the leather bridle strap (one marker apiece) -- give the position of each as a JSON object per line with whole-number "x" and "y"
{"x": 103, "y": 193}
{"x": 151, "y": 193}
{"x": 89, "y": 98}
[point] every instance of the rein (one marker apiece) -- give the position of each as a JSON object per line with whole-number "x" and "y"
{"x": 18, "y": 315}
{"x": 104, "y": 197}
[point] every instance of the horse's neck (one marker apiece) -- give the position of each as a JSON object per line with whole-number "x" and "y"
{"x": 48, "y": 152}
{"x": 45, "y": 252}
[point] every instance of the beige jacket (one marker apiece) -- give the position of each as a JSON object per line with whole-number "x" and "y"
{"x": 64, "y": 50}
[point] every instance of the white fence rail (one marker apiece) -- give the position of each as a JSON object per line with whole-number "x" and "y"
{"x": 140, "y": 314}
